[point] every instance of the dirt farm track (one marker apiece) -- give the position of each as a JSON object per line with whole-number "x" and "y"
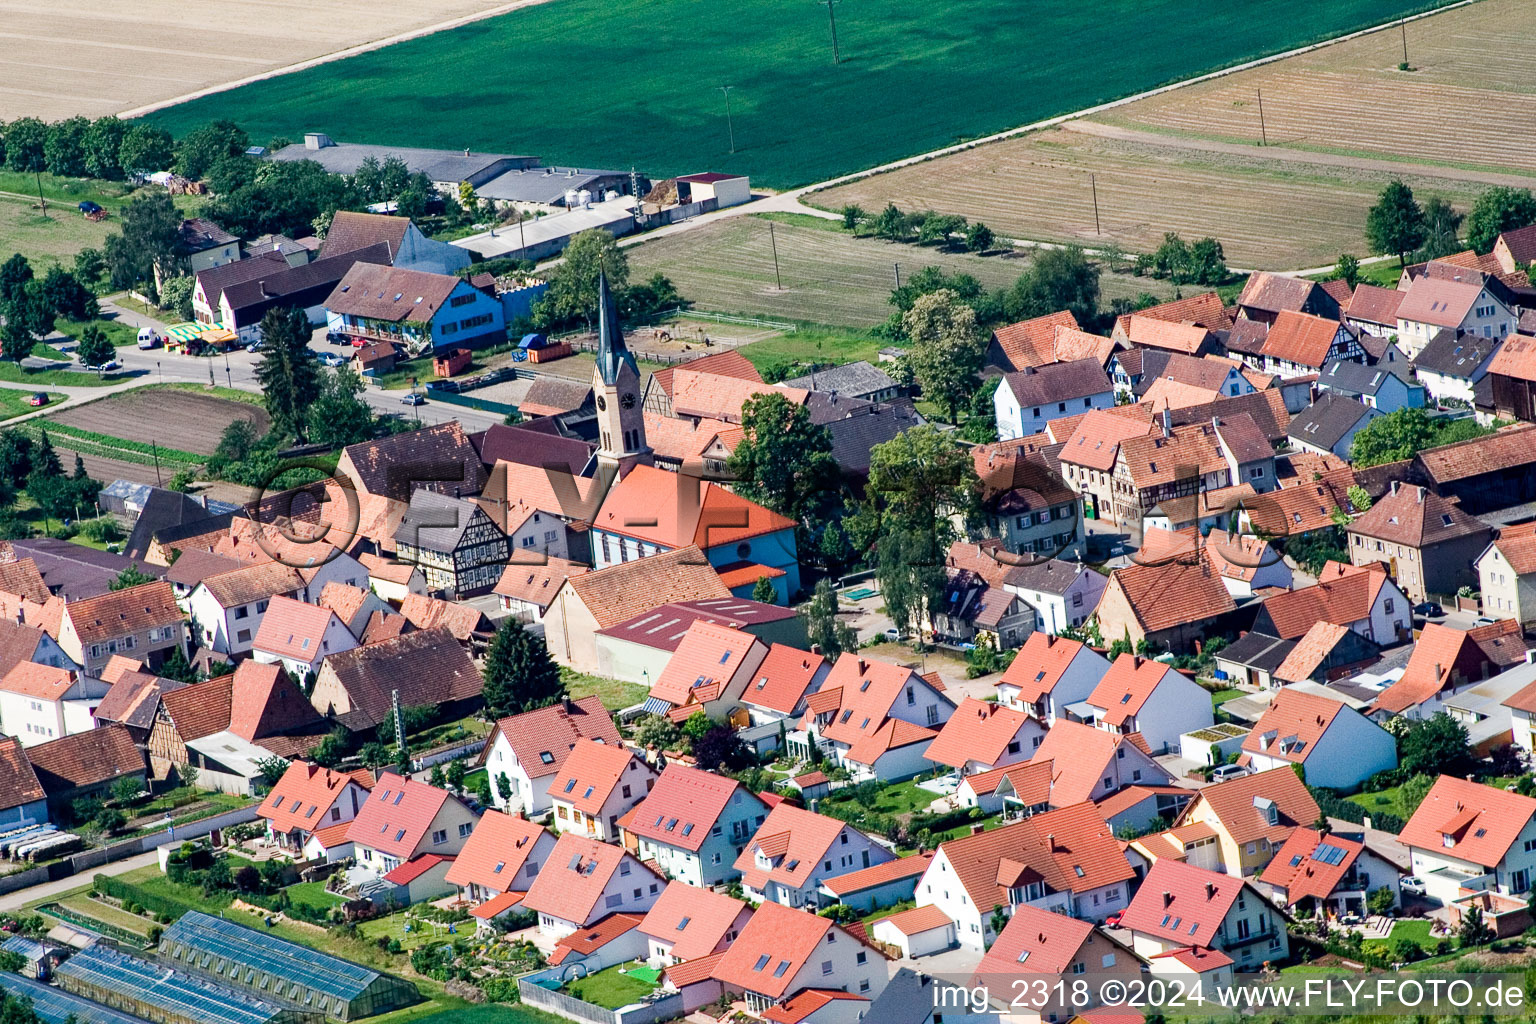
{"x": 59, "y": 58}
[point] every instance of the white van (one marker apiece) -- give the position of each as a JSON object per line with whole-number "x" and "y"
{"x": 148, "y": 338}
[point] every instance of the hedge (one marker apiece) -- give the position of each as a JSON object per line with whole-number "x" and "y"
{"x": 155, "y": 903}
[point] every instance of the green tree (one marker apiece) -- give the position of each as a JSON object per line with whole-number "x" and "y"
{"x": 1499, "y": 209}
{"x": 1057, "y": 279}
{"x": 1397, "y": 435}
{"x": 64, "y": 149}
{"x": 94, "y": 347}
{"x": 1207, "y": 262}
{"x": 89, "y": 266}
{"x": 657, "y": 731}
{"x": 1435, "y": 746}
{"x": 1380, "y": 900}
{"x": 201, "y": 148}
{"x": 176, "y": 295}
{"x": 1442, "y": 230}
{"x": 1171, "y": 258}
{"x": 852, "y": 216}
{"x": 67, "y": 297}
{"x": 940, "y": 228}
{"x": 1347, "y": 269}
{"x": 103, "y": 144}
{"x": 503, "y": 787}
{"x": 237, "y": 441}
{"x": 572, "y": 294}
{"x": 456, "y": 773}
{"x": 126, "y": 789}
{"x": 1473, "y": 930}
{"x": 784, "y": 462}
{"x": 187, "y": 774}
{"x": 151, "y": 229}
{"x": 14, "y": 275}
{"x": 1359, "y": 498}
{"x": 272, "y": 769}
{"x": 979, "y": 237}
{"x": 932, "y": 279}
{"x": 518, "y": 673}
{"x": 436, "y": 777}
{"x": 822, "y": 627}
{"x": 26, "y": 138}
{"x": 146, "y": 149}
{"x": 130, "y": 577}
{"x": 287, "y": 372}
{"x": 1412, "y": 793}
{"x": 1395, "y": 225}
{"x": 947, "y": 348}
{"x": 890, "y": 224}
{"x": 763, "y": 591}
{"x": 338, "y": 415}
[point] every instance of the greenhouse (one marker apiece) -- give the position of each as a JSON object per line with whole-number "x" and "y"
{"x": 147, "y": 990}
{"x": 55, "y": 1006}
{"x": 284, "y": 972}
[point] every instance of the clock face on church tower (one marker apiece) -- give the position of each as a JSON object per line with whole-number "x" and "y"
{"x": 602, "y": 403}
{"x": 628, "y": 401}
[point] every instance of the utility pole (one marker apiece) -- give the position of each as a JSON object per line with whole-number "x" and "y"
{"x": 1263, "y": 134}
{"x": 1403, "y": 24}
{"x": 1093, "y": 183}
{"x": 729, "y": 127}
{"x": 40, "y": 200}
{"x": 832, "y": 19}
{"x": 897, "y": 268}
{"x": 774, "y": 242}
{"x": 155, "y": 450}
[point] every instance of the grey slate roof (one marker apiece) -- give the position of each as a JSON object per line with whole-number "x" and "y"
{"x": 1052, "y": 576}
{"x": 435, "y": 521}
{"x": 1256, "y": 650}
{"x": 854, "y": 380}
{"x": 544, "y": 185}
{"x": 861, "y": 427}
{"x": 909, "y": 998}
{"x": 1325, "y": 422}
{"x": 1452, "y": 353}
{"x": 72, "y": 570}
{"x": 1056, "y": 382}
{"x": 437, "y": 164}
{"x": 1358, "y": 379}
{"x": 163, "y": 509}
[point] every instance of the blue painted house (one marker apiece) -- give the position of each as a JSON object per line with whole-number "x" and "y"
{"x": 420, "y": 311}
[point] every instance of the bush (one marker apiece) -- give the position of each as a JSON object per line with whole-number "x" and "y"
{"x": 501, "y": 990}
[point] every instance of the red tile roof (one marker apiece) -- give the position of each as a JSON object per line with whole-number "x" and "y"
{"x": 253, "y": 583}
{"x": 683, "y": 806}
{"x": 536, "y": 584}
{"x": 1096, "y": 441}
{"x": 1127, "y": 686}
{"x": 1292, "y": 726}
{"x": 796, "y": 839}
{"x": 624, "y": 591}
{"x": 41, "y": 682}
{"x": 18, "y": 782}
{"x": 868, "y": 689}
{"x": 1416, "y": 517}
{"x": 1300, "y": 338}
{"x": 586, "y": 941}
{"x": 1080, "y": 756}
{"x": 88, "y": 758}
{"x": 691, "y": 972}
{"x": 1204, "y": 309}
{"x": 693, "y": 921}
{"x": 293, "y": 629}
{"x": 462, "y": 620}
{"x": 495, "y": 853}
{"x": 1507, "y": 448}
{"x": 1439, "y": 301}
{"x": 22, "y": 579}
{"x": 1310, "y": 651}
{"x": 920, "y": 919}
{"x": 719, "y": 396}
{"x": 1031, "y": 342}
{"x": 1468, "y": 821}
{"x": 771, "y": 949}
{"x": 397, "y": 815}
{"x": 802, "y": 1004}
{"x": 1301, "y": 873}
{"x": 496, "y": 905}
{"x": 1052, "y": 846}
{"x": 1151, "y": 332}
{"x": 1034, "y": 943}
{"x": 1342, "y": 595}
{"x": 708, "y": 653}
{"x": 880, "y": 874}
{"x": 265, "y": 702}
{"x": 303, "y": 797}
{"x": 1040, "y": 664}
{"x": 120, "y": 612}
{"x": 660, "y": 507}
{"x": 590, "y": 772}
{"x": 200, "y": 709}
{"x": 417, "y": 866}
{"x": 978, "y": 731}
{"x": 780, "y": 682}
{"x": 332, "y": 836}
{"x": 541, "y": 739}
{"x": 1375, "y": 305}
{"x": 1232, "y": 803}
{"x": 1181, "y": 903}
{"x": 1030, "y": 782}
{"x": 571, "y": 883}
{"x": 1515, "y": 358}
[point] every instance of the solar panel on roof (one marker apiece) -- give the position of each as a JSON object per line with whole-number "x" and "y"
{"x": 1327, "y": 853}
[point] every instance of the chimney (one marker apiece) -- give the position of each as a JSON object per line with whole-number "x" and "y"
{"x": 1050, "y": 640}
{"x": 1210, "y": 890}
{"x": 1394, "y": 486}
{"x": 816, "y": 648}
{"x": 1050, "y": 839}
{"x": 977, "y": 828}
{"x": 1167, "y": 898}
{"x": 466, "y": 151}
{"x": 863, "y": 666}
{"x": 1420, "y": 496}
{"x": 1136, "y": 661}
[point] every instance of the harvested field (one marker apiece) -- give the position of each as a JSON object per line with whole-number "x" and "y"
{"x": 1467, "y": 102}
{"x": 1266, "y": 214}
{"x": 829, "y": 276}
{"x": 181, "y": 420}
{"x": 69, "y": 57}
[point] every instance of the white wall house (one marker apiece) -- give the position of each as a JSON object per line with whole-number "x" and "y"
{"x": 1026, "y": 402}
{"x": 230, "y": 629}
{"x": 530, "y": 748}
{"x": 1049, "y": 674}
{"x": 1436, "y": 303}
{"x": 1063, "y": 594}
{"x": 1467, "y": 837}
{"x": 674, "y": 827}
{"x": 1506, "y": 576}
{"x": 795, "y": 850}
{"x": 39, "y": 703}
{"x": 585, "y": 881}
{"x": 1337, "y": 746}
{"x": 1146, "y": 696}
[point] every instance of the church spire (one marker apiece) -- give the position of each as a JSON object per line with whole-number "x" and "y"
{"x": 611, "y": 350}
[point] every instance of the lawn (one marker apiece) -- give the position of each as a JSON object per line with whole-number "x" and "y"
{"x": 610, "y": 989}
{"x": 899, "y": 798}
{"x": 64, "y": 231}
{"x": 106, "y": 913}
{"x": 1383, "y": 800}
{"x": 446, "y": 733}
{"x": 313, "y": 894}
{"x": 615, "y": 694}
{"x": 1418, "y": 931}
{"x": 393, "y": 926}
{"x": 1220, "y": 697}
{"x": 13, "y": 402}
{"x": 15, "y": 373}
{"x": 912, "y": 77}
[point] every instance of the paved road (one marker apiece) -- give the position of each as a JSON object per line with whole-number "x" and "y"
{"x": 21, "y": 897}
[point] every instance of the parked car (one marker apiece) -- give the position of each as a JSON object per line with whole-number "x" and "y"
{"x": 333, "y": 359}
{"x": 148, "y": 338}
{"x": 1113, "y": 920}
{"x": 1483, "y": 620}
{"x": 254, "y": 346}
{"x": 338, "y": 338}
{"x": 1412, "y": 884}
{"x": 893, "y": 635}
{"x": 1228, "y": 771}
{"x": 106, "y": 367}
{"x": 413, "y": 399}
{"x": 38, "y": 398}
{"x": 1429, "y": 609}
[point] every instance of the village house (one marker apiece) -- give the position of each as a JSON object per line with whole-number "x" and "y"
{"x": 427, "y": 668}
{"x": 638, "y": 649}
{"x": 596, "y": 784}
{"x": 789, "y": 965}
{"x": 873, "y": 717}
{"x": 1325, "y": 652}
{"x": 584, "y": 881}
{"x": 1385, "y": 386}
{"x": 1328, "y": 426}
{"x": 973, "y": 606}
{"x": 237, "y": 295}
{"x": 142, "y": 622}
{"x": 39, "y": 703}
{"x": 1506, "y": 575}
{"x": 1462, "y": 304}
{"x": 1446, "y": 660}
{"x": 354, "y": 606}
{"x": 1029, "y": 342}
{"x": 1050, "y": 674}
{"x": 307, "y": 799}
{"x": 690, "y": 923}
{"x": 1362, "y": 597}
{"x": 1265, "y": 296}
{"x": 1172, "y": 378}
{"x": 1184, "y": 461}
{"x": 1063, "y": 594}
{"x": 419, "y": 310}
{"x": 1091, "y": 764}
{"x": 1485, "y": 474}
{"x": 794, "y": 851}
{"x": 22, "y": 799}
{"x": 1468, "y": 837}
{"x": 299, "y": 636}
{"x": 499, "y": 861}
{"x": 1037, "y": 951}
{"x": 1373, "y": 310}
{"x": 1336, "y": 745}
{"x": 1141, "y": 695}
{"x": 1150, "y": 332}
{"x": 403, "y": 820}
{"x": 708, "y": 673}
{"x": 693, "y": 824}
{"x": 1065, "y": 861}
{"x": 1428, "y": 543}
{"x": 457, "y": 545}
{"x": 544, "y": 509}
{"x": 86, "y": 766}
{"x": 1091, "y": 452}
{"x": 1512, "y": 379}
{"x": 983, "y": 735}
{"x": 1181, "y": 906}
{"x": 527, "y": 587}
{"x": 1250, "y": 817}
{"x": 528, "y": 750}
{"x": 1028, "y": 505}
{"x": 1172, "y": 604}
{"x": 1027, "y": 400}
{"x": 226, "y": 608}
{"x": 1329, "y": 873}
{"x": 1452, "y": 366}
{"x": 1246, "y": 563}
{"x": 438, "y": 458}
{"x": 778, "y": 689}
{"x": 1299, "y": 344}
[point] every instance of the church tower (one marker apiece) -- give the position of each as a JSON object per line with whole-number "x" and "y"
{"x": 616, "y": 385}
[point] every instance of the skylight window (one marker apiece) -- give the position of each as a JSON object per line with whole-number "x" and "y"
{"x": 588, "y": 794}
{"x": 1194, "y": 927}
{"x": 399, "y": 835}
{"x": 398, "y": 797}
{"x": 778, "y": 972}
{"x": 683, "y": 923}
{"x": 1023, "y": 955}
{"x": 546, "y": 757}
{"x": 1126, "y": 699}
{"x": 725, "y": 656}
{"x": 671, "y": 824}
{"x": 688, "y": 828}
{"x": 762, "y": 962}
{"x": 792, "y": 865}
{"x": 499, "y": 865}
{"x": 1077, "y": 869}
{"x": 570, "y": 784}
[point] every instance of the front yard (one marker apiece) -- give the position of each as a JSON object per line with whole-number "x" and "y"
{"x": 610, "y": 989}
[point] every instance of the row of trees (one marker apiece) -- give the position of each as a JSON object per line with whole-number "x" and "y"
{"x": 34, "y": 467}
{"x": 30, "y": 305}
{"x": 1399, "y": 226}
{"x": 945, "y": 230}
{"x": 80, "y": 148}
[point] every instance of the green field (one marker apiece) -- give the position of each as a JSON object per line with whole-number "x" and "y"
{"x": 591, "y": 83}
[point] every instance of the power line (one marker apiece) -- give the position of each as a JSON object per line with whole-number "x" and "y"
{"x": 729, "y": 127}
